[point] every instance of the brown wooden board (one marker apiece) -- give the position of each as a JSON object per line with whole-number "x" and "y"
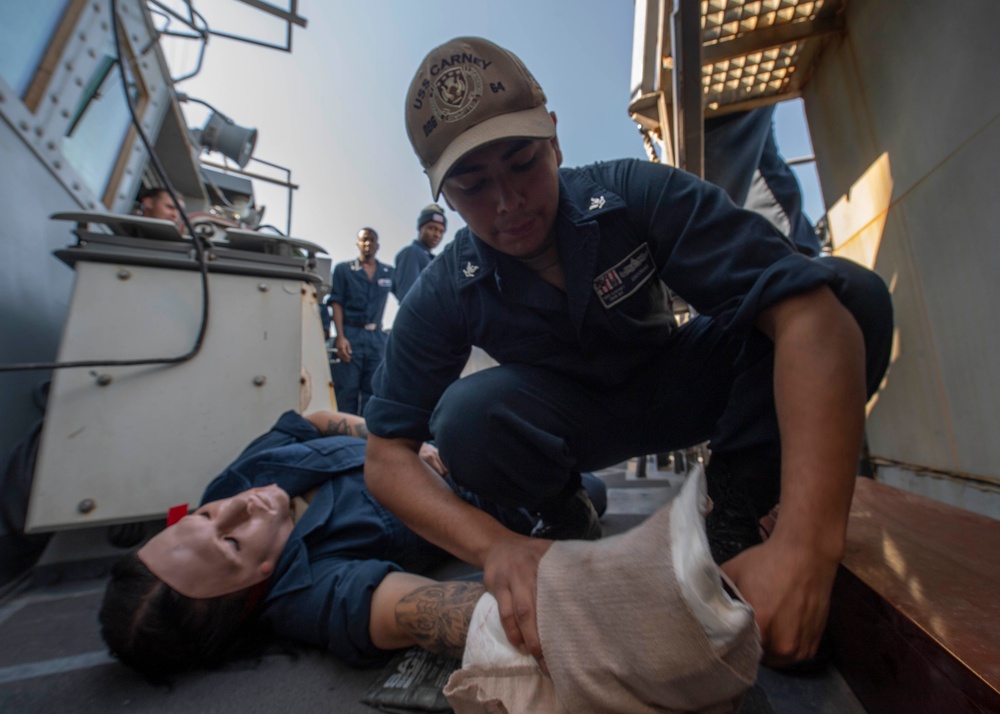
{"x": 915, "y": 618}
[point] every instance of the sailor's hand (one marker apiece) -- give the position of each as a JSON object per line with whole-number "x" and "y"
{"x": 430, "y": 456}
{"x": 788, "y": 586}
{"x": 510, "y": 573}
{"x": 343, "y": 348}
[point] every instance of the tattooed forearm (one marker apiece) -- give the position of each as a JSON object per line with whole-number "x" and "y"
{"x": 343, "y": 428}
{"x": 337, "y": 428}
{"x": 438, "y": 615}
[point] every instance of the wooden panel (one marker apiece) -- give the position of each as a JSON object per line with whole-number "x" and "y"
{"x": 915, "y": 617}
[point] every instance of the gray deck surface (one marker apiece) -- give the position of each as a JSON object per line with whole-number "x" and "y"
{"x": 52, "y": 658}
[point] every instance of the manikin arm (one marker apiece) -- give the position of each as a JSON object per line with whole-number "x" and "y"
{"x": 397, "y": 478}
{"x": 412, "y": 610}
{"x": 343, "y": 424}
{"x": 338, "y": 424}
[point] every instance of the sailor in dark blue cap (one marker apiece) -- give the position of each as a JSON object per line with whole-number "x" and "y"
{"x": 561, "y": 275}
{"x": 411, "y": 260}
{"x": 358, "y": 292}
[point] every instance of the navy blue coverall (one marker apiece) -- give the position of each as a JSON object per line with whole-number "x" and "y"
{"x": 363, "y": 301}
{"x": 601, "y": 372}
{"x": 344, "y": 544}
{"x": 741, "y": 157}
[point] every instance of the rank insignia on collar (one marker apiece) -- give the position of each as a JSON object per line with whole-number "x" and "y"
{"x": 469, "y": 270}
{"x": 355, "y": 265}
{"x": 597, "y": 202}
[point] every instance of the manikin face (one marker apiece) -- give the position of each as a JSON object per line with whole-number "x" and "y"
{"x": 163, "y": 207}
{"x": 223, "y": 547}
{"x": 367, "y": 244}
{"x": 508, "y": 194}
{"x": 431, "y": 234}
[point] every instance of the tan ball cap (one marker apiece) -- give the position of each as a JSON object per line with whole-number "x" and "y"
{"x": 469, "y": 93}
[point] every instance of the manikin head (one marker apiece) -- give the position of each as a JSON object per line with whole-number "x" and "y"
{"x": 367, "y": 244}
{"x": 180, "y": 601}
{"x": 431, "y": 225}
{"x": 477, "y": 120}
{"x": 157, "y": 203}
{"x": 223, "y": 547}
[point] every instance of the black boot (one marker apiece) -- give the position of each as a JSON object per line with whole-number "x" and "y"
{"x": 573, "y": 518}
{"x": 744, "y": 485}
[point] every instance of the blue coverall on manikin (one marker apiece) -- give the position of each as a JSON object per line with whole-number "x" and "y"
{"x": 363, "y": 301}
{"x": 601, "y": 372}
{"x": 342, "y": 546}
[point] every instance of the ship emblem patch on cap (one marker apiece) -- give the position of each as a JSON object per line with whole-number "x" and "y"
{"x": 457, "y": 92}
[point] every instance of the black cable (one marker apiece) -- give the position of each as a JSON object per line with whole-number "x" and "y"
{"x": 198, "y": 242}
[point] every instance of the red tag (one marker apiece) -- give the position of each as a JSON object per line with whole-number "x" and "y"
{"x": 176, "y": 513}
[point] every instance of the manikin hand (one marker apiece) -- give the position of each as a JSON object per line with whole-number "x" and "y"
{"x": 430, "y": 456}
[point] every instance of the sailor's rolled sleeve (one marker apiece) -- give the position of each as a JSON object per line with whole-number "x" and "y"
{"x": 792, "y": 275}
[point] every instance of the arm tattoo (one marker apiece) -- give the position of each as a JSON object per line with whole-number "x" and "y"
{"x": 342, "y": 428}
{"x": 337, "y": 428}
{"x": 438, "y": 615}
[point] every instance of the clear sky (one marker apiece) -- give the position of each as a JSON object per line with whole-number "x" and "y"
{"x": 332, "y": 110}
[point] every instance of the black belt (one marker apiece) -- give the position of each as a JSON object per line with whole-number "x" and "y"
{"x": 370, "y": 326}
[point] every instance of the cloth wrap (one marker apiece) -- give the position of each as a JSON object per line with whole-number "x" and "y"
{"x": 620, "y": 629}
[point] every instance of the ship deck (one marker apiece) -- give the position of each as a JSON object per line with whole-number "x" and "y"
{"x": 52, "y": 657}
